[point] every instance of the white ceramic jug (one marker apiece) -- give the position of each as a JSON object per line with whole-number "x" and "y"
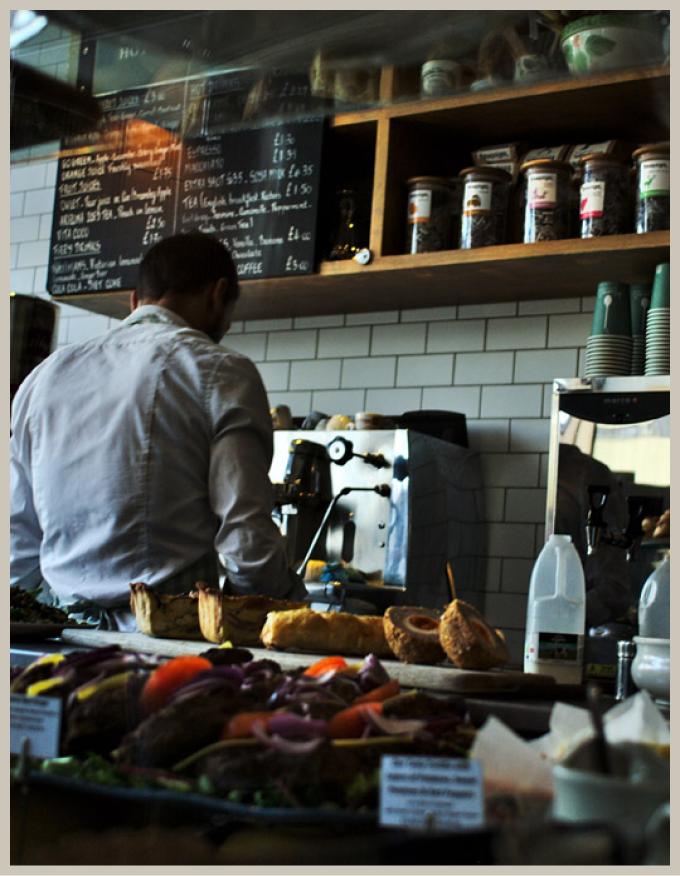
{"x": 654, "y": 608}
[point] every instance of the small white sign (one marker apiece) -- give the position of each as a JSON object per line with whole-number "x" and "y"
{"x": 432, "y": 793}
{"x": 38, "y": 719}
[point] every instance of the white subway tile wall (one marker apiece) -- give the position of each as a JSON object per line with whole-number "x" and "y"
{"x": 492, "y": 362}
{"x": 347, "y": 342}
{"x": 517, "y": 333}
{"x": 252, "y": 345}
{"x": 425, "y": 370}
{"x": 456, "y": 336}
{"x": 365, "y": 372}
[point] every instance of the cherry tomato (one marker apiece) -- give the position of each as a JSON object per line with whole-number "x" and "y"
{"x": 379, "y": 694}
{"x": 350, "y": 723}
{"x": 240, "y": 726}
{"x": 326, "y": 664}
{"x": 168, "y": 677}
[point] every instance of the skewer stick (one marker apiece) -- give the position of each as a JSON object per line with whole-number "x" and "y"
{"x": 452, "y": 583}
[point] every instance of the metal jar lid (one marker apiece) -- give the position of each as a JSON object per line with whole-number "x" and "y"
{"x": 653, "y": 150}
{"x": 428, "y": 181}
{"x": 601, "y": 158}
{"x": 546, "y": 164}
{"x": 486, "y": 172}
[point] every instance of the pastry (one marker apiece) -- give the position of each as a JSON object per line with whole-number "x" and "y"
{"x": 165, "y": 616}
{"x": 326, "y": 632}
{"x": 236, "y": 619}
{"x": 413, "y": 634}
{"x": 468, "y": 640}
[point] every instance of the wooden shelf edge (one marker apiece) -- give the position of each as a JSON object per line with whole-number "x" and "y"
{"x": 550, "y": 270}
{"x": 564, "y": 84}
{"x": 511, "y": 252}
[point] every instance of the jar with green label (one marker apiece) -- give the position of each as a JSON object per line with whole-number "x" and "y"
{"x": 653, "y": 197}
{"x": 603, "y": 195}
{"x": 484, "y": 212}
{"x": 546, "y": 211}
{"x": 430, "y": 217}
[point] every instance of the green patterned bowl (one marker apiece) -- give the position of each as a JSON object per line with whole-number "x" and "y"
{"x": 611, "y": 41}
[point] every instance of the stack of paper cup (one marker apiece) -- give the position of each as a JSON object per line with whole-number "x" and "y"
{"x": 609, "y": 349}
{"x": 658, "y": 333}
{"x": 640, "y": 297}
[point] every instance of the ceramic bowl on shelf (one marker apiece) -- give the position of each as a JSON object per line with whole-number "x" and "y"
{"x": 610, "y": 41}
{"x": 651, "y": 669}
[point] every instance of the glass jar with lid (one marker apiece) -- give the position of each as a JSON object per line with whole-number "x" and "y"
{"x": 484, "y": 211}
{"x": 653, "y": 195}
{"x": 430, "y": 217}
{"x": 603, "y": 195}
{"x": 546, "y": 211}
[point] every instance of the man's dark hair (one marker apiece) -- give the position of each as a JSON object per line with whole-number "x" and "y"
{"x": 183, "y": 265}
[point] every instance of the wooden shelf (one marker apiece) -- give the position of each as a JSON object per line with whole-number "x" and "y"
{"x": 554, "y": 269}
{"x": 394, "y": 140}
{"x": 600, "y": 104}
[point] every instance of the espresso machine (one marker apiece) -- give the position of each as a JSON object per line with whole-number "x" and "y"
{"x": 608, "y": 470}
{"x": 396, "y": 505}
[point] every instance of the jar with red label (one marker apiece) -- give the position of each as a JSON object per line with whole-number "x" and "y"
{"x": 546, "y": 211}
{"x": 603, "y": 197}
{"x": 430, "y": 217}
{"x": 484, "y": 213}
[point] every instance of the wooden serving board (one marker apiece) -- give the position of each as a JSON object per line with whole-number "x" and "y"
{"x": 442, "y": 678}
{"x": 20, "y": 631}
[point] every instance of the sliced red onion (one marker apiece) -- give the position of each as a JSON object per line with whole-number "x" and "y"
{"x": 208, "y": 680}
{"x": 372, "y": 674}
{"x": 124, "y": 663}
{"x": 286, "y": 746}
{"x": 325, "y": 677}
{"x": 104, "y": 661}
{"x": 288, "y": 724}
{"x": 256, "y": 666}
{"x": 226, "y": 673}
{"x": 78, "y": 659}
{"x": 392, "y": 726}
{"x": 302, "y": 689}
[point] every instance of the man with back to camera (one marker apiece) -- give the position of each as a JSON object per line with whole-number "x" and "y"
{"x": 144, "y": 453}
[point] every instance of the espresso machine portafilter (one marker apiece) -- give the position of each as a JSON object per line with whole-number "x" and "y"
{"x": 302, "y": 498}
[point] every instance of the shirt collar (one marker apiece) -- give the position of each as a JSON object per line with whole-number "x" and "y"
{"x": 155, "y": 313}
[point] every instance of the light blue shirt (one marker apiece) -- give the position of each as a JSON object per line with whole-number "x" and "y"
{"x": 134, "y": 457}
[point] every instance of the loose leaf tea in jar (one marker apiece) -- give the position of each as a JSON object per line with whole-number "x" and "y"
{"x": 603, "y": 196}
{"x": 485, "y": 206}
{"x": 653, "y": 197}
{"x": 429, "y": 219}
{"x": 546, "y": 212}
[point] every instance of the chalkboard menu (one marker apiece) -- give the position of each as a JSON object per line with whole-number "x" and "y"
{"x": 255, "y": 189}
{"x": 146, "y": 174}
{"x": 115, "y": 193}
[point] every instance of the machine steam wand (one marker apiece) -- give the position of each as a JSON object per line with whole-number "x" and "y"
{"x": 380, "y": 489}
